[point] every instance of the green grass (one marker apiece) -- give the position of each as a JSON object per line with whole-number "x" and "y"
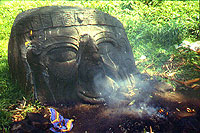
{"x": 9, "y": 93}
{"x": 153, "y": 28}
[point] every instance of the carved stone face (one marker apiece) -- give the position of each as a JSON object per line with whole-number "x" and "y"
{"x": 72, "y": 54}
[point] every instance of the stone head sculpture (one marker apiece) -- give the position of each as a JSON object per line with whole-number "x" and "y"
{"x": 71, "y": 54}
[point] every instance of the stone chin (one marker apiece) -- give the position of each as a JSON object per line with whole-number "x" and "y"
{"x": 88, "y": 98}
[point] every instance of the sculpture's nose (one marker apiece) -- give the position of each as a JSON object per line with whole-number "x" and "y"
{"x": 89, "y": 60}
{"x": 88, "y": 50}
{"x": 91, "y": 69}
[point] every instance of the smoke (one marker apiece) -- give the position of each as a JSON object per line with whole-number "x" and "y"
{"x": 132, "y": 95}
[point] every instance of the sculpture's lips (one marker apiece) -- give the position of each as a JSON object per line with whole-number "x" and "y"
{"x": 104, "y": 90}
{"x": 87, "y": 97}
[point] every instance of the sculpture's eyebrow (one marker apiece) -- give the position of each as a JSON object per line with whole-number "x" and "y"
{"x": 103, "y": 32}
{"x": 61, "y": 40}
{"x": 62, "y": 44}
{"x": 58, "y": 45}
{"x": 105, "y": 36}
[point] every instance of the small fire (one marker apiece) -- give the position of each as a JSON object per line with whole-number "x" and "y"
{"x": 190, "y": 110}
{"x": 31, "y": 32}
{"x": 162, "y": 111}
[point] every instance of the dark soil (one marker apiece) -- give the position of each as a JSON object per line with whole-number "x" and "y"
{"x": 174, "y": 117}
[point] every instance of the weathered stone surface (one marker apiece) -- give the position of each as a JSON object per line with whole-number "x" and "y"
{"x": 71, "y": 54}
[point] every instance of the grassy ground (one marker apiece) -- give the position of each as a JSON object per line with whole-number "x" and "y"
{"x": 153, "y": 28}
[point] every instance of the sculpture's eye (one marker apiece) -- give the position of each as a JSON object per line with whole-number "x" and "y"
{"x": 110, "y": 53}
{"x": 109, "y": 50}
{"x": 62, "y": 54}
{"x": 105, "y": 48}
